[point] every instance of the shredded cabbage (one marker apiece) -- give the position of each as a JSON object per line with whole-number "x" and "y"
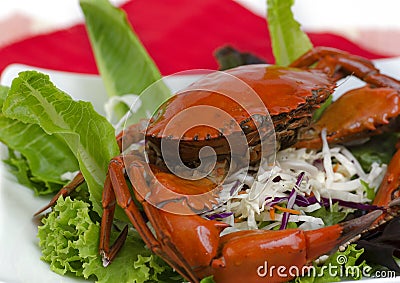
{"x": 330, "y": 174}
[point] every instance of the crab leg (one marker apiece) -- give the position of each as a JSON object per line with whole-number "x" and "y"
{"x": 117, "y": 191}
{"x": 65, "y": 191}
{"x": 336, "y": 62}
{"x": 377, "y": 104}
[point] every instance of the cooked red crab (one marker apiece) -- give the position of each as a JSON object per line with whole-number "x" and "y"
{"x": 191, "y": 244}
{"x": 360, "y": 113}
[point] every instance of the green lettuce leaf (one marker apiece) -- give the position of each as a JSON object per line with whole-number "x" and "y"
{"x": 33, "y": 153}
{"x": 370, "y": 191}
{"x": 34, "y": 100}
{"x": 340, "y": 266}
{"x": 287, "y": 38}
{"x": 378, "y": 149}
{"x": 123, "y": 63}
{"x": 209, "y": 279}
{"x": 69, "y": 239}
{"x": 68, "y": 223}
{"x": 330, "y": 216}
{"x": 19, "y": 167}
{"x": 3, "y": 94}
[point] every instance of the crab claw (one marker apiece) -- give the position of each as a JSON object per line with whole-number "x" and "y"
{"x": 388, "y": 194}
{"x": 248, "y": 256}
{"x": 323, "y": 240}
{"x": 343, "y": 124}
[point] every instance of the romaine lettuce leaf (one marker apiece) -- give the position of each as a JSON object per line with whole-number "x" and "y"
{"x": 36, "y": 153}
{"x": 40, "y": 152}
{"x": 19, "y": 167}
{"x": 123, "y": 62}
{"x": 287, "y": 38}
{"x": 34, "y": 100}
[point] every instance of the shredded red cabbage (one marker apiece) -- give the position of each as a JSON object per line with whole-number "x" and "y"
{"x": 303, "y": 201}
{"x": 234, "y": 188}
{"x": 276, "y": 200}
{"x": 219, "y": 215}
{"x": 291, "y": 201}
{"x": 325, "y": 202}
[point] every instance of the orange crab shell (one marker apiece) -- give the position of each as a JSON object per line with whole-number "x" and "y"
{"x": 287, "y": 93}
{"x": 359, "y": 113}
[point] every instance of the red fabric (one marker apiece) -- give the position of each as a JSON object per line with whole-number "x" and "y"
{"x": 178, "y": 34}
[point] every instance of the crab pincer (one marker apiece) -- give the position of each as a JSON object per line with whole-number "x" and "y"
{"x": 279, "y": 256}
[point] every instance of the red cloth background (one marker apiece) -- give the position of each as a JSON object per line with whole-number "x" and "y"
{"x": 178, "y": 34}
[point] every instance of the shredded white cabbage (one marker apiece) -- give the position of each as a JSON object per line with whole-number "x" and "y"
{"x": 332, "y": 173}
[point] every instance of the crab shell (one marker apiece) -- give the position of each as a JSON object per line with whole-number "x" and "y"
{"x": 356, "y": 115}
{"x": 289, "y": 94}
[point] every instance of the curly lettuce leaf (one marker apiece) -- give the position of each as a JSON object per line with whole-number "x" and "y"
{"x": 340, "y": 266}
{"x": 287, "y": 39}
{"x": 123, "y": 62}
{"x": 34, "y": 100}
{"x": 68, "y": 223}
{"x": 69, "y": 239}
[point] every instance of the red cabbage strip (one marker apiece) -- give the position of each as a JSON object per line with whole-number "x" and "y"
{"x": 275, "y": 201}
{"x": 303, "y": 201}
{"x": 291, "y": 201}
{"x": 219, "y": 215}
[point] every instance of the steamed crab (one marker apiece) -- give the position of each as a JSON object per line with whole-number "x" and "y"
{"x": 191, "y": 244}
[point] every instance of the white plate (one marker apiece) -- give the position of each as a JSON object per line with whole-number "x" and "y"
{"x": 19, "y": 252}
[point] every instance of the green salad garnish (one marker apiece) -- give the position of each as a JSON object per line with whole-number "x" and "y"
{"x": 48, "y": 134}
{"x": 69, "y": 239}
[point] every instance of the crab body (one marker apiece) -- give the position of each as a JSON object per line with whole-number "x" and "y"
{"x": 289, "y": 94}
